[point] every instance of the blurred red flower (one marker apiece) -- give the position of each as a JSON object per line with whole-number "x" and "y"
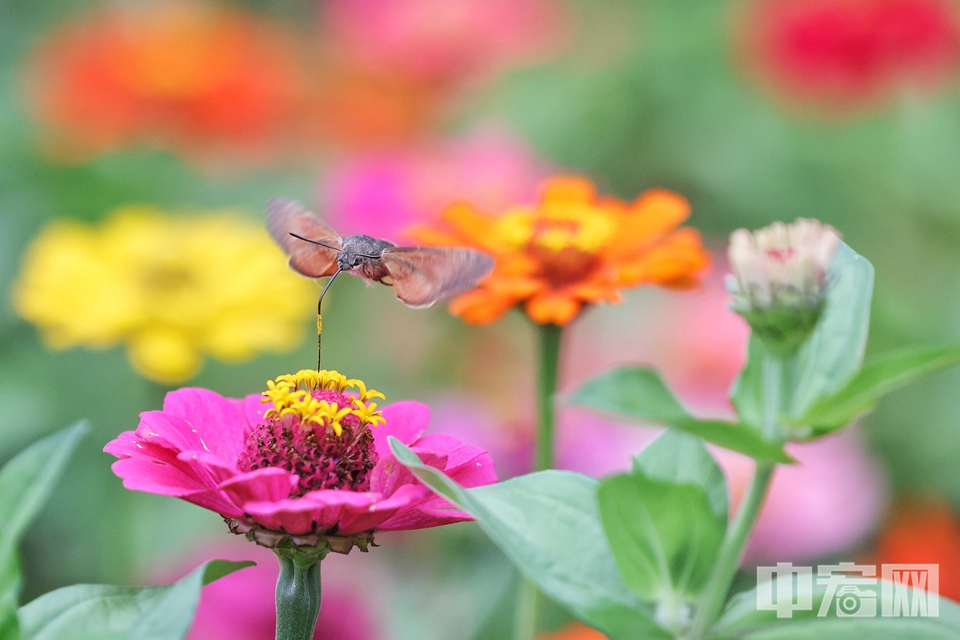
{"x": 924, "y": 530}
{"x": 844, "y": 54}
{"x": 174, "y": 75}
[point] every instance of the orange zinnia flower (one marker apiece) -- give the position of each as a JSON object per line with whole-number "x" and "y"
{"x": 187, "y": 76}
{"x": 571, "y": 249}
{"x": 924, "y": 530}
{"x": 575, "y": 631}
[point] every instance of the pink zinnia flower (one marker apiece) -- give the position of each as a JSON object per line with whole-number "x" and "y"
{"x": 440, "y": 39}
{"x": 306, "y": 461}
{"x": 385, "y": 191}
{"x": 843, "y": 54}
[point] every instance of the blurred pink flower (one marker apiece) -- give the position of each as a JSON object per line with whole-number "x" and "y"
{"x": 586, "y": 443}
{"x": 299, "y": 466}
{"x": 693, "y": 338}
{"x": 826, "y": 503}
{"x": 442, "y": 39}
{"x": 382, "y": 192}
{"x": 241, "y": 605}
{"x": 842, "y": 54}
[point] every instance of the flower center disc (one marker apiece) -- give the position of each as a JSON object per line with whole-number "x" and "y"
{"x": 316, "y": 431}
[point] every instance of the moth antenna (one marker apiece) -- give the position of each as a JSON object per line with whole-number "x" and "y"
{"x": 299, "y": 237}
{"x": 319, "y": 314}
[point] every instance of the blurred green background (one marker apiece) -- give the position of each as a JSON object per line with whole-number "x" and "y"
{"x": 637, "y": 94}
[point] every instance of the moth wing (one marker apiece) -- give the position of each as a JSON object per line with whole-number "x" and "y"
{"x": 312, "y": 260}
{"x": 423, "y": 275}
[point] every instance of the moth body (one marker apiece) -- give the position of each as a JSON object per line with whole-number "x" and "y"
{"x": 357, "y": 257}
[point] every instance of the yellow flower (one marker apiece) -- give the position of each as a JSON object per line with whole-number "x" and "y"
{"x": 172, "y": 289}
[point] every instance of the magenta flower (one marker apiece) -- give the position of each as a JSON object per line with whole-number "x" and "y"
{"x": 305, "y": 463}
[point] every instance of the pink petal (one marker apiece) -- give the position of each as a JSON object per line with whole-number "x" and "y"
{"x": 252, "y": 409}
{"x": 389, "y": 475}
{"x": 219, "y": 422}
{"x": 168, "y": 430}
{"x": 126, "y": 445}
{"x": 294, "y": 515}
{"x": 155, "y": 476}
{"x": 417, "y": 518}
{"x": 370, "y": 516}
{"x": 271, "y": 484}
{"x": 318, "y": 510}
{"x": 404, "y": 420}
{"x": 207, "y": 465}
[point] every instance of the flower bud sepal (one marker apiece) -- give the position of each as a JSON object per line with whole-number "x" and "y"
{"x": 782, "y": 329}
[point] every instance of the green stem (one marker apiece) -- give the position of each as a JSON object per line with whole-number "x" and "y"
{"x": 731, "y": 552}
{"x": 528, "y": 610}
{"x": 715, "y": 593}
{"x": 550, "y": 338}
{"x": 527, "y": 616}
{"x": 298, "y": 595}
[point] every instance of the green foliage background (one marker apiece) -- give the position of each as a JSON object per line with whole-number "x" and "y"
{"x": 650, "y": 95}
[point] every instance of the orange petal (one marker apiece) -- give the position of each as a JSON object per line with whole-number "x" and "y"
{"x": 475, "y": 228}
{"x": 514, "y": 287}
{"x": 553, "y": 307}
{"x": 651, "y": 216}
{"x": 424, "y": 234}
{"x": 596, "y": 292}
{"x": 481, "y": 306}
{"x": 680, "y": 256}
{"x": 516, "y": 264}
{"x": 567, "y": 189}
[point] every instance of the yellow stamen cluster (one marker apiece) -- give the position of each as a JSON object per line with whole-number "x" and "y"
{"x": 292, "y": 394}
{"x": 574, "y": 225}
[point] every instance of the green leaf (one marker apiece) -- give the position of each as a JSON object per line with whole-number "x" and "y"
{"x": 743, "y": 620}
{"x": 874, "y": 380}
{"x": 680, "y": 458}
{"x": 640, "y": 394}
{"x": 665, "y": 536}
{"x": 25, "y": 485}
{"x": 834, "y": 353}
{"x": 88, "y": 611}
{"x": 548, "y": 525}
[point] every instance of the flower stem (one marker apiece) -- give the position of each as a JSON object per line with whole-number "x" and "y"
{"x": 528, "y": 605}
{"x": 528, "y": 610}
{"x": 298, "y": 595}
{"x": 550, "y": 338}
{"x": 731, "y": 552}
{"x": 715, "y": 593}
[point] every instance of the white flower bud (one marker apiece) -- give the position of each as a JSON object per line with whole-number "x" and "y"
{"x": 779, "y": 278}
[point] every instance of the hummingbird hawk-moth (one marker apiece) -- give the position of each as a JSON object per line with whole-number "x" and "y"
{"x": 419, "y": 275}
